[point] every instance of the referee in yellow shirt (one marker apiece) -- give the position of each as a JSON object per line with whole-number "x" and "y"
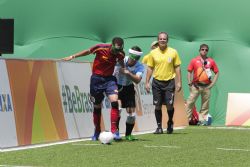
{"x": 164, "y": 63}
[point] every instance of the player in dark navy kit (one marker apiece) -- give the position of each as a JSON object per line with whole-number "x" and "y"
{"x": 102, "y": 81}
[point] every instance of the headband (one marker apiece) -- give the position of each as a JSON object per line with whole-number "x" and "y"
{"x": 137, "y": 53}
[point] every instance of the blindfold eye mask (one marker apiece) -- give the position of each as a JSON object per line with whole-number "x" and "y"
{"x": 135, "y": 55}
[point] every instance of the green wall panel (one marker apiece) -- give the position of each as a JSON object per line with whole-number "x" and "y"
{"x": 54, "y": 29}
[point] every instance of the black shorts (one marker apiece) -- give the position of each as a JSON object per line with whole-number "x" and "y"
{"x": 163, "y": 92}
{"x": 127, "y": 95}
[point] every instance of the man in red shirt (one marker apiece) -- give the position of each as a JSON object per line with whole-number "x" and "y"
{"x": 103, "y": 81}
{"x": 201, "y": 82}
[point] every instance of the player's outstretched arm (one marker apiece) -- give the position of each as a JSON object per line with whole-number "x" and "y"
{"x": 79, "y": 54}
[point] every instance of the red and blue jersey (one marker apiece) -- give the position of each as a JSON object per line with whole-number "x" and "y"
{"x": 105, "y": 61}
{"x": 199, "y": 68}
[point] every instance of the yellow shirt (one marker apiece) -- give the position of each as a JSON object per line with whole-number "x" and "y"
{"x": 164, "y": 63}
{"x": 145, "y": 59}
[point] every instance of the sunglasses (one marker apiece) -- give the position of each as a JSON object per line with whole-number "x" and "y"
{"x": 204, "y": 50}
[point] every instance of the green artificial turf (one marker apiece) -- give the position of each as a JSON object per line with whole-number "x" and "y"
{"x": 190, "y": 147}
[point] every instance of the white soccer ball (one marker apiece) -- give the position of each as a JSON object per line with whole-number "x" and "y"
{"x": 106, "y": 137}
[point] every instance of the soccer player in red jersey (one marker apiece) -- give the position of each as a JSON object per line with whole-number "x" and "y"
{"x": 103, "y": 81}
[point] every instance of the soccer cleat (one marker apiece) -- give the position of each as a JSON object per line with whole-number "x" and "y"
{"x": 158, "y": 131}
{"x": 130, "y": 138}
{"x": 117, "y": 136}
{"x": 170, "y": 128}
{"x": 199, "y": 123}
{"x": 95, "y": 137}
{"x": 202, "y": 123}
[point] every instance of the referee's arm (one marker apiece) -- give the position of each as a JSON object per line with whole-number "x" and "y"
{"x": 148, "y": 76}
{"x": 178, "y": 78}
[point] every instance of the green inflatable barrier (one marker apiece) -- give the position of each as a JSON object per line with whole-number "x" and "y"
{"x": 54, "y": 29}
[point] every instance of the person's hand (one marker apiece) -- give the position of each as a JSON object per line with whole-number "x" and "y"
{"x": 178, "y": 86}
{"x": 69, "y": 58}
{"x": 190, "y": 87}
{"x": 124, "y": 71}
{"x": 209, "y": 86}
{"x": 147, "y": 86}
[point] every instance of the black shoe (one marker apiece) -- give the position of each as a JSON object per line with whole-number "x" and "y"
{"x": 158, "y": 131}
{"x": 170, "y": 128}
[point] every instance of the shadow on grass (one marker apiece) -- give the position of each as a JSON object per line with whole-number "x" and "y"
{"x": 177, "y": 133}
{"x": 132, "y": 141}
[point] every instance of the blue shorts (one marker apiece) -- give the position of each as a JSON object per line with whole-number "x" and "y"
{"x": 100, "y": 85}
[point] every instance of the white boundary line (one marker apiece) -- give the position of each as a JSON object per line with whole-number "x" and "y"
{"x": 153, "y": 146}
{"x": 67, "y": 141}
{"x": 41, "y": 145}
{"x": 75, "y": 144}
{"x": 232, "y": 149}
{"x": 230, "y": 128}
{"x": 152, "y": 131}
{"x": 14, "y": 166}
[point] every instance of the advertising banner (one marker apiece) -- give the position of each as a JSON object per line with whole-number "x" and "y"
{"x": 74, "y": 81}
{"x": 45, "y": 101}
{"x": 37, "y": 104}
{"x": 238, "y": 109}
{"x": 7, "y": 120}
